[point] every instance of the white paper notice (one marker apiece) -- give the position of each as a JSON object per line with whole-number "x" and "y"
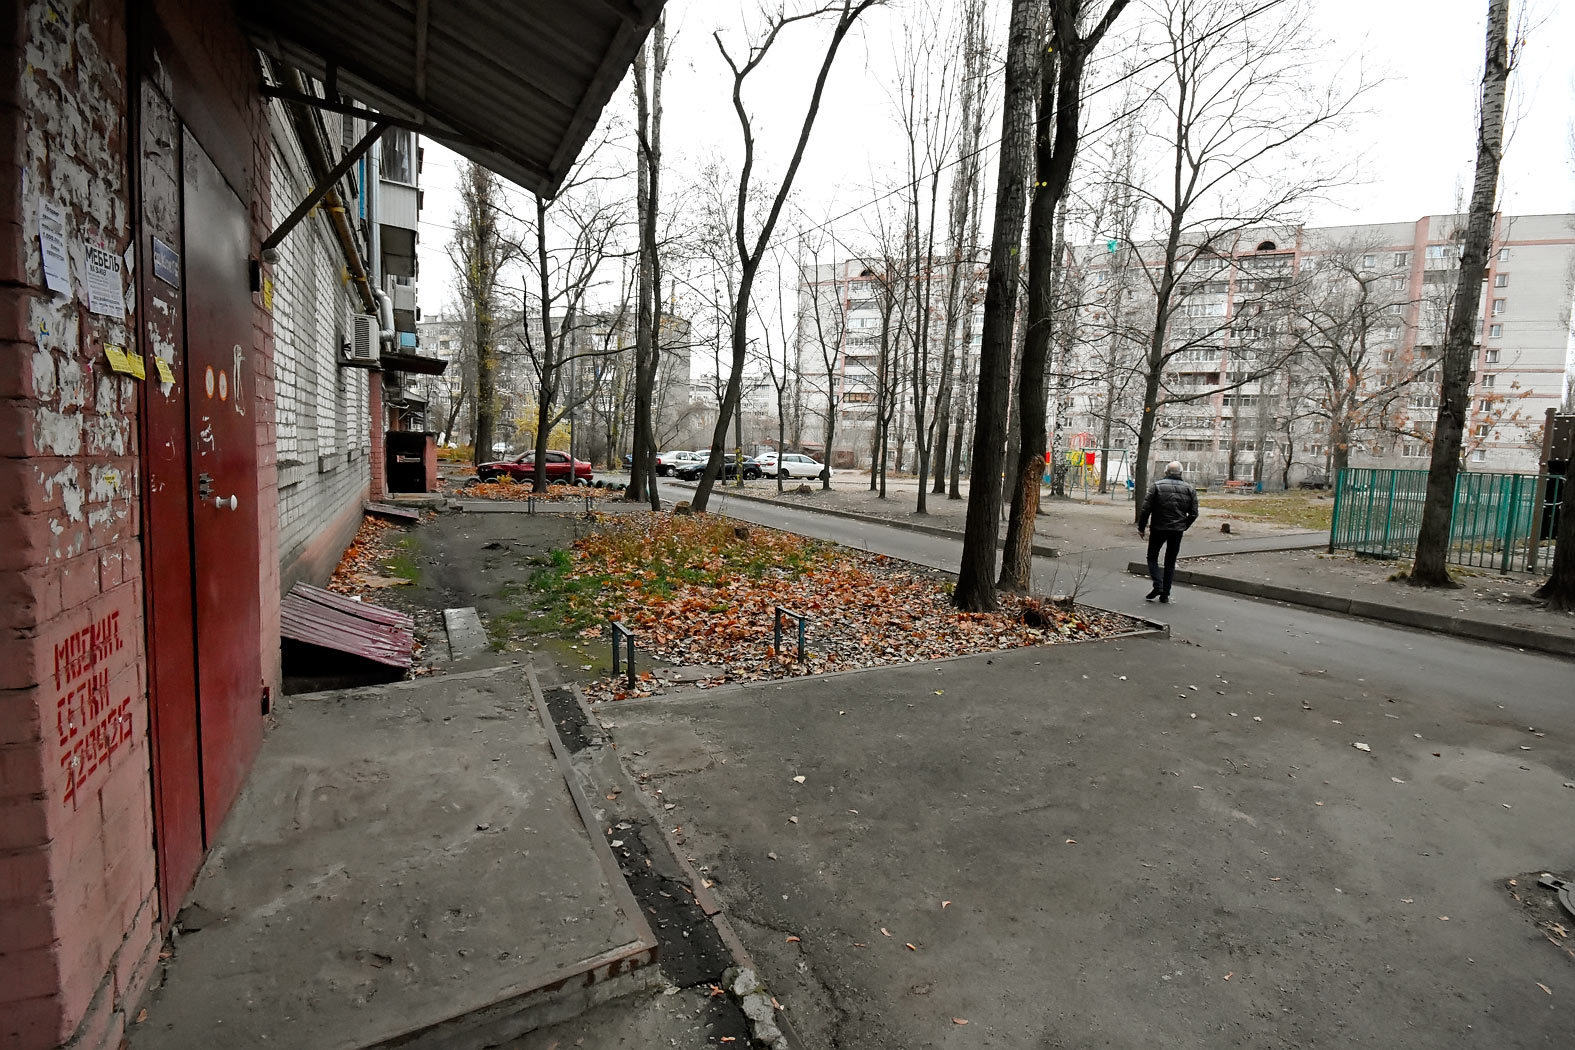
{"x": 105, "y": 294}
{"x": 52, "y": 242}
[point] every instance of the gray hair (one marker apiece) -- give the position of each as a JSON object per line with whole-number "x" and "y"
{"x": 1173, "y": 469}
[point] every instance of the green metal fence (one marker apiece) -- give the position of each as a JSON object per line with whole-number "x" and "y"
{"x": 1501, "y": 521}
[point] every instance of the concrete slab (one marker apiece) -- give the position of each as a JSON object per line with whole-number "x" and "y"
{"x": 406, "y": 864}
{"x": 466, "y": 636}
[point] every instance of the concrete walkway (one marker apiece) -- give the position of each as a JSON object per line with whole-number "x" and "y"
{"x": 407, "y": 863}
{"x": 1487, "y": 607}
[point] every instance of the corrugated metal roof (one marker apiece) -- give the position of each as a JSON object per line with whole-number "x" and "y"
{"x": 516, "y": 87}
{"x": 318, "y": 617}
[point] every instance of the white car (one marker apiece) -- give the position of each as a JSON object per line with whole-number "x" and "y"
{"x": 789, "y": 465}
{"x": 669, "y": 462}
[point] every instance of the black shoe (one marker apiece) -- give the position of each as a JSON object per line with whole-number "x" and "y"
{"x": 1164, "y": 599}
{"x": 1151, "y": 595}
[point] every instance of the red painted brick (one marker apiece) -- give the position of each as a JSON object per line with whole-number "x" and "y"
{"x": 34, "y": 1024}
{"x": 25, "y": 925}
{"x": 28, "y": 598}
{"x": 24, "y": 822}
{"x": 32, "y": 973}
{"x": 101, "y": 1026}
{"x": 20, "y": 722}
{"x": 22, "y": 772}
{"x": 78, "y": 581}
{"x": 24, "y": 875}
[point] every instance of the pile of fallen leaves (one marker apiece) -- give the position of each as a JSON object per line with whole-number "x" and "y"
{"x": 703, "y": 591}
{"x": 507, "y": 488}
{"x": 363, "y": 559}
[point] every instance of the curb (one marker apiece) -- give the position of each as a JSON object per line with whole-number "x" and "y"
{"x": 1439, "y": 623}
{"x": 1150, "y": 629}
{"x": 1043, "y": 550}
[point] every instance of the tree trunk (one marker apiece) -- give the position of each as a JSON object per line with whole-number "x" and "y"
{"x": 1559, "y": 591}
{"x": 644, "y": 330}
{"x": 1055, "y": 149}
{"x": 975, "y": 590}
{"x": 1432, "y": 542}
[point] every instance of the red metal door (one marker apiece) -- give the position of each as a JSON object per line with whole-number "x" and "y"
{"x": 166, "y": 535}
{"x": 221, "y": 417}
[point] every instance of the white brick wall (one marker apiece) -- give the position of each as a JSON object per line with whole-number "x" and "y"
{"x": 324, "y": 431}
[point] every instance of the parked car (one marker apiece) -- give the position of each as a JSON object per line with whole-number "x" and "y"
{"x": 790, "y": 465}
{"x": 668, "y": 462}
{"x": 523, "y": 468}
{"x": 692, "y": 471}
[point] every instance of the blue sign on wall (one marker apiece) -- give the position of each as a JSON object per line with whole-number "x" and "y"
{"x": 166, "y": 263}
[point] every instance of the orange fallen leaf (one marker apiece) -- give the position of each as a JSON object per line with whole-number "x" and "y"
{"x": 1230, "y": 975}
{"x": 142, "y": 1015}
{"x": 959, "y": 1020}
{"x": 946, "y": 904}
{"x": 1544, "y": 987}
{"x": 911, "y": 947}
{"x": 885, "y": 932}
{"x": 793, "y": 940}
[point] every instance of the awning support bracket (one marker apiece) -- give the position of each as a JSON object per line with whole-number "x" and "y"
{"x": 328, "y": 182}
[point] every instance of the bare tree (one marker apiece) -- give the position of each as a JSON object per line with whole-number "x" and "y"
{"x": 925, "y": 98}
{"x": 1432, "y": 541}
{"x": 1239, "y": 98}
{"x": 962, "y": 226}
{"x": 1058, "y": 129}
{"x": 749, "y": 255}
{"x": 1345, "y": 327}
{"x": 780, "y": 362}
{"x": 572, "y": 236}
{"x": 480, "y": 250}
{"x": 975, "y": 590}
{"x": 826, "y": 331}
{"x": 647, "y": 347}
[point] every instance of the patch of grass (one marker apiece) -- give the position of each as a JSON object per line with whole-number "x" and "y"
{"x": 1303, "y": 511}
{"x": 402, "y": 562}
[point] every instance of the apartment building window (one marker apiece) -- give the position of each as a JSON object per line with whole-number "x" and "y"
{"x": 1481, "y": 430}
{"x": 1503, "y": 255}
{"x": 1492, "y": 355}
{"x": 1410, "y": 451}
{"x": 398, "y": 155}
{"x": 1501, "y": 280}
{"x": 1498, "y": 306}
{"x": 1439, "y": 251}
{"x": 1402, "y": 258}
{"x": 1398, "y": 281}
{"x": 1478, "y": 456}
{"x": 1487, "y": 380}
{"x": 858, "y": 397}
{"x": 1369, "y": 261}
{"x": 1495, "y": 331}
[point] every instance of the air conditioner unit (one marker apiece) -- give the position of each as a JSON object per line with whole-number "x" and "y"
{"x": 363, "y": 340}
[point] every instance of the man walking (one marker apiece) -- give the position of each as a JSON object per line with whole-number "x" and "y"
{"x": 1169, "y": 509}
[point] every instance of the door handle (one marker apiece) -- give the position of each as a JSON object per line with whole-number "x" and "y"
{"x": 226, "y": 502}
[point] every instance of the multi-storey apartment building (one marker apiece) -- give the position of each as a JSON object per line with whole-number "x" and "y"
{"x": 845, "y": 309}
{"x": 1291, "y": 352}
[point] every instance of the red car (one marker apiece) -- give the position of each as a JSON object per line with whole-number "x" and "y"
{"x": 523, "y": 468}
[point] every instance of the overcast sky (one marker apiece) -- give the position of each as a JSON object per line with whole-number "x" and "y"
{"x": 1410, "y": 149}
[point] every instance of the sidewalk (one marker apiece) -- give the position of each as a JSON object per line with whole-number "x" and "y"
{"x": 408, "y": 863}
{"x": 1064, "y": 527}
{"x": 1488, "y": 608}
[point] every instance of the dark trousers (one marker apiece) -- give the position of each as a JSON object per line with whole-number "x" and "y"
{"x": 1170, "y": 539}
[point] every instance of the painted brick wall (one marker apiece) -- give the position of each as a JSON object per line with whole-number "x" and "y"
{"x": 79, "y": 929}
{"x": 77, "y": 904}
{"x": 322, "y": 408}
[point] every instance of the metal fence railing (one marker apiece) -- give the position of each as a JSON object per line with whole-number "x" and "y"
{"x": 1500, "y": 521}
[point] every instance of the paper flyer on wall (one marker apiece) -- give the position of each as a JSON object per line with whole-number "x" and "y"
{"x": 52, "y": 243}
{"x": 105, "y": 293}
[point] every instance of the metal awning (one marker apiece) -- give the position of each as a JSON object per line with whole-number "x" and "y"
{"x": 407, "y": 361}
{"x": 516, "y": 87}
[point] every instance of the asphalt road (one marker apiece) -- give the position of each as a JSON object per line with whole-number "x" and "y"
{"x": 1374, "y": 657}
{"x": 1148, "y": 843}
